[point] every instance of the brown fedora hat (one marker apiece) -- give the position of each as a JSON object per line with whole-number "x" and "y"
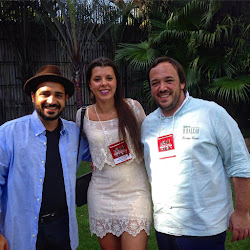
{"x": 50, "y": 73}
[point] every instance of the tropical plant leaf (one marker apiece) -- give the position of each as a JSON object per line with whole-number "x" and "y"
{"x": 237, "y": 89}
{"x": 139, "y": 56}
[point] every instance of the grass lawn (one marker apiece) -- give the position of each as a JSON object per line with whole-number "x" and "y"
{"x": 86, "y": 242}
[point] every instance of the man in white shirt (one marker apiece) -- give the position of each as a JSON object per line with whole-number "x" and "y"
{"x": 192, "y": 147}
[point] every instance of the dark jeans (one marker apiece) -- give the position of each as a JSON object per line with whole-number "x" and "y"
{"x": 54, "y": 234}
{"x": 170, "y": 242}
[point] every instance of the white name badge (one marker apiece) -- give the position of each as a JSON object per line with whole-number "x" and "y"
{"x": 166, "y": 146}
{"x": 120, "y": 152}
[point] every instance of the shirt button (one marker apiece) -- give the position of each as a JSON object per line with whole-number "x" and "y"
{"x": 35, "y": 218}
{"x": 44, "y": 143}
{"x": 38, "y": 199}
{"x": 42, "y": 162}
{"x": 33, "y": 236}
{"x": 41, "y": 180}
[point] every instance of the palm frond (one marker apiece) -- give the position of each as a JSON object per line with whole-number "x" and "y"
{"x": 170, "y": 34}
{"x": 158, "y": 26}
{"x": 139, "y": 56}
{"x": 213, "y": 8}
{"x": 194, "y": 6}
{"x": 229, "y": 89}
{"x": 188, "y": 17}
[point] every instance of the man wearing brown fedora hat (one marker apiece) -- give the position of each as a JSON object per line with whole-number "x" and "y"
{"x": 38, "y": 164}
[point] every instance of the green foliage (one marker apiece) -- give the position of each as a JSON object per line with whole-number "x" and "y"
{"x": 139, "y": 56}
{"x": 209, "y": 38}
{"x": 231, "y": 89}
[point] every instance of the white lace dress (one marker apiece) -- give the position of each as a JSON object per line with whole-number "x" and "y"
{"x": 118, "y": 196}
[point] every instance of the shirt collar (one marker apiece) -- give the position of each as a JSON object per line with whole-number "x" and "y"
{"x": 62, "y": 125}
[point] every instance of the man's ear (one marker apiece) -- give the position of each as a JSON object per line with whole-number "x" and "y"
{"x": 33, "y": 96}
{"x": 183, "y": 85}
{"x": 66, "y": 97}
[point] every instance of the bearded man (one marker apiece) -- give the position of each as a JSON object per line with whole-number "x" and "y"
{"x": 38, "y": 164}
{"x": 192, "y": 148}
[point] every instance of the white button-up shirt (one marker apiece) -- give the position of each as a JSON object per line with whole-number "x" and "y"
{"x": 191, "y": 191}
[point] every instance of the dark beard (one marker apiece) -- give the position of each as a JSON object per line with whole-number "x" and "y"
{"x": 171, "y": 105}
{"x": 43, "y": 116}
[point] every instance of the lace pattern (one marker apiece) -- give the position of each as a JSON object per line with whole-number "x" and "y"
{"x": 119, "y": 200}
{"x": 117, "y": 226}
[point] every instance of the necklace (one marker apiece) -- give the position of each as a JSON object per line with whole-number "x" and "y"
{"x": 103, "y": 130}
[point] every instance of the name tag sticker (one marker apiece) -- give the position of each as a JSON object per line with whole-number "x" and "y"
{"x": 190, "y": 132}
{"x": 166, "y": 147}
{"x": 120, "y": 152}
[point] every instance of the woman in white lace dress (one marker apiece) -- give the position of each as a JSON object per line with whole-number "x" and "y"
{"x": 119, "y": 200}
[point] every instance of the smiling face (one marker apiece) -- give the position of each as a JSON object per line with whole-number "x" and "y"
{"x": 166, "y": 88}
{"x": 103, "y": 83}
{"x": 49, "y": 101}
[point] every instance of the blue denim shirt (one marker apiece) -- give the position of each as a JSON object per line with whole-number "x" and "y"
{"x": 22, "y": 171}
{"x": 190, "y": 187}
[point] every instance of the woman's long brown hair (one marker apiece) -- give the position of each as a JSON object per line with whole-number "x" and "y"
{"x": 126, "y": 117}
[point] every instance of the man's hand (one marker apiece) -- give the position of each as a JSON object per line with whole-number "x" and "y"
{"x": 3, "y": 243}
{"x": 239, "y": 224}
